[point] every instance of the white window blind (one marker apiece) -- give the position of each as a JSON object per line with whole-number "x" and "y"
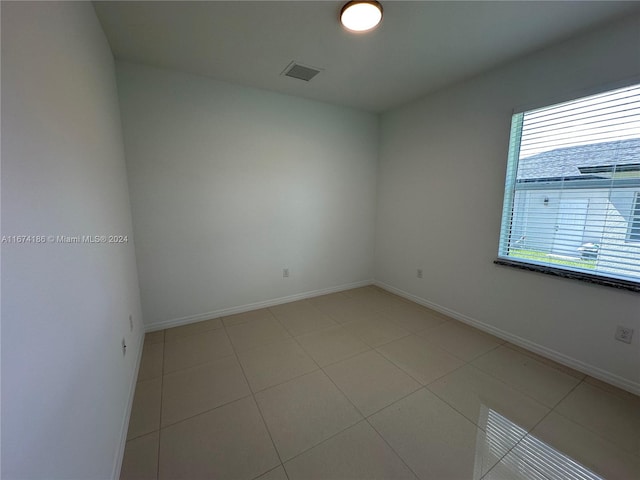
{"x": 572, "y": 186}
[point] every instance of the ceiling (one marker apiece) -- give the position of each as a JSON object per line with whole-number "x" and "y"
{"x": 419, "y": 46}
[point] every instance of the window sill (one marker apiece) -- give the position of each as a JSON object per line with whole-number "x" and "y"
{"x": 584, "y": 277}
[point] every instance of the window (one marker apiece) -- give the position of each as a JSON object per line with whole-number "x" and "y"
{"x": 634, "y": 229}
{"x": 571, "y": 203}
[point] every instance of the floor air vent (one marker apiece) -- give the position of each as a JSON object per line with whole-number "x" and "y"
{"x": 301, "y": 72}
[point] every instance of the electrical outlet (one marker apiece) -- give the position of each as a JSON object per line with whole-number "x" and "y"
{"x": 124, "y": 347}
{"x": 624, "y": 334}
{"x": 285, "y": 273}
{"x": 130, "y": 323}
{"x": 419, "y": 273}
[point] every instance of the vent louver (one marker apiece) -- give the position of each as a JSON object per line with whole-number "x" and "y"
{"x": 301, "y": 72}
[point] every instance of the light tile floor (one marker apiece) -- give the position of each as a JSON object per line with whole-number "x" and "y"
{"x": 363, "y": 384}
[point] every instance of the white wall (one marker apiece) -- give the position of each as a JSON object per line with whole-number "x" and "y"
{"x": 229, "y": 185}
{"x": 441, "y": 184}
{"x": 65, "y": 308}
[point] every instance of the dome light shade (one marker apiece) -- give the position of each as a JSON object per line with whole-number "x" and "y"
{"x": 361, "y": 16}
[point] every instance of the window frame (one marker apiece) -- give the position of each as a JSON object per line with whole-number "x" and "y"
{"x": 506, "y": 224}
{"x": 633, "y": 235}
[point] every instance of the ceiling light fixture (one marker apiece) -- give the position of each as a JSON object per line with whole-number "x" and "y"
{"x": 361, "y": 16}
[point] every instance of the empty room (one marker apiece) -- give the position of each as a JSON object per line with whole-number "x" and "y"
{"x": 296, "y": 240}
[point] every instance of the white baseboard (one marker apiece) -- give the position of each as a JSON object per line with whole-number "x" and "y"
{"x": 600, "y": 374}
{"x": 176, "y": 322}
{"x": 117, "y": 464}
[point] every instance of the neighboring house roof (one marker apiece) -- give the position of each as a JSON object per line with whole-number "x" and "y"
{"x": 567, "y": 163}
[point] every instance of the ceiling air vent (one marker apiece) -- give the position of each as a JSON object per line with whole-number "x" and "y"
{"x": 301, "y": 72}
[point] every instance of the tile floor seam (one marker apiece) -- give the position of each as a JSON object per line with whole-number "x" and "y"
{"x": 246, "y": 321}
{"x": 335, "y": 319}
{"x": 392, "y": 449}
{"x": 264, "y": 345}
{"x": 255, "y": 392}
{"x": 269, "y": 342}
{"x": 533, "y": 428}
{"x": 595, "y": 432}
{"x": 272, "y": 470}
{"x": 414, "y": 378}
{"x": 497, "y": 379}
{"x": 345, "y": 358}
{"x": 197, "y": 365}
{"x": 623, "y": 395}
{"x": 344, "y": 394}
{"x": 551, "y": 407}
{"x": 307, "y": 353}
{"x": 484, "y": 430}
{"x": 160, "y": 419}
{"x": 507, "y": 453}
{"x": 143, "y": 435}
{"x": 534, "y": 356}
{"x": 395, "y": 401}
{"x": 290, "y": 332}
{"x": 458, "y": 356}
{"x": 373, "y": 347}
{"x": 520, "y": 389}
{"x": 324, "y": 440}
{"x": 295, "y": 337}
{"x": 586, "y": 427}
{"x": 289, "y": 379}
{"x": 255, "y": 401}
{"x": 164, "y": 427}
{"x": 176, "y": 339}
{"x": 342, "y": 430}
{"x": 617, "y": 391}
{"x": 323, "y": 329}
{"x": 365, "y": 418}
{"x": 391, "y": 341}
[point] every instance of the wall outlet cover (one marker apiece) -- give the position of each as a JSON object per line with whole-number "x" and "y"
{"x": 624, "y": 334}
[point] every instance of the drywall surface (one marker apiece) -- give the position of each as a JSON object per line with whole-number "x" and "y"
{"x": 441, "y": 184}
{"x": 230, "y": 185}
{"x": 65, "y": 306}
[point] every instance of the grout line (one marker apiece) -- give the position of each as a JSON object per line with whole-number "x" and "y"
{"x": 409, "y": 373}
{"x": 322, "y": 368}
{"x": 164, "y": 334}
{"x": 255, "y": 402}
{"x": 198, "y": 365}
{"x": 395, "y": 401}
{"x": 586, "y": 427}
{"x": 192, "y": 334}
{"x": 330, "y": 437}
{"x": 269, "y": 314}
{"x": 547, "y": 362}
{"x": 518, "y": 388}
{"x": 349, "y": 357}
{"x": 366, "y": 419}
{"x": 295, "y": 338}
{"x": 223, "y": 327}
{"x": 498, "y": 380}
{"x": 164, "y": 427}
{"x": 391, "y": 447}
{"x": 363, "y": 418}
{"x": 535, "y": 425}
{"x": 272, "y": 470}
